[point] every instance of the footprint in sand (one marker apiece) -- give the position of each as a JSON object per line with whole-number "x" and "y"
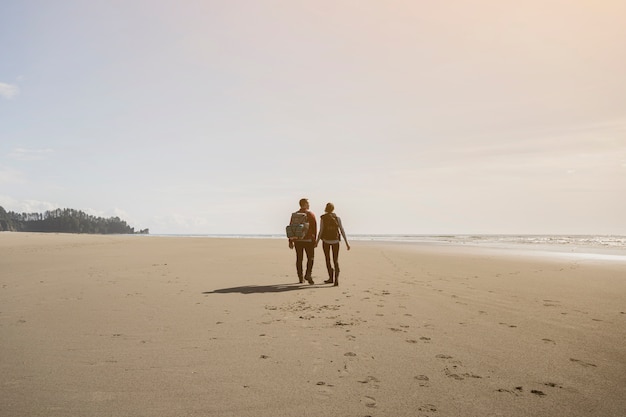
{"x": 423, "y": 380}
{"x": 550, "y": 341}
{"x": 369, "y": 402}
{"x": 583, "y": 363}
{"x": 453, "y": 375}
{"x": 452, "y": 371}
{"x": 371, "y": 380}
{"x": 517, "y": 391}
{"x": 324, "y": 390}
{"x": 427, "y": 408}
{"x": 323, "y": 384}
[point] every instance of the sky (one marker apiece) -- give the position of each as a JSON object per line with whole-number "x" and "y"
{"x": 416, "y": 117}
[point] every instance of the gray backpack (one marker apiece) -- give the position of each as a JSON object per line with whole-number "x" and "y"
{"x": 298, "y": 226}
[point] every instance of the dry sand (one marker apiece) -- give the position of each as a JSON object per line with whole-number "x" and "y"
{"x": 157, "y": 326}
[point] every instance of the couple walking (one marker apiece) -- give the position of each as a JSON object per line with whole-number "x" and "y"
{"x": 329, "y": 234}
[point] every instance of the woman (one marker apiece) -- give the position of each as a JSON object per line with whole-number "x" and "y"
{"x": 330, "y": 229}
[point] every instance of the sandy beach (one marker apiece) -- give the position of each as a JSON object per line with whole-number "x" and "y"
{"x": 164, "y": 326}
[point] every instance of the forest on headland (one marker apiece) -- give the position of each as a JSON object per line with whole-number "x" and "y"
{"x": 64, "y": 221}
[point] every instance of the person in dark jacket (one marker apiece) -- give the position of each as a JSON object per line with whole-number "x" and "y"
{"x": 306, "y": 244}
{"x": 331, "y": 231}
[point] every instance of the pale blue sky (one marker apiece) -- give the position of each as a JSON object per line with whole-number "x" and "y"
{"x": 490, "y": 116}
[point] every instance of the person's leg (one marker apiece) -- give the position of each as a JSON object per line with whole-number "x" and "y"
{"x": 336, "y": 261}
{"x": 309, "y": 247}
{"x": 299, "y": 259}
{"x": 329, "y": 267}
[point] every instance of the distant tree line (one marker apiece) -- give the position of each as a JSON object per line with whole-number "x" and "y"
{"x": 63, "y": 221}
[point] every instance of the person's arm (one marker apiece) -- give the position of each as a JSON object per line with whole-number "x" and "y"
{"x": 319, "y": 235}
{"x": 289, "y": 239}
{"x": 343, "y": 233}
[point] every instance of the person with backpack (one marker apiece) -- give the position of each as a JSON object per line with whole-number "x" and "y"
{"x": 330, "y": 230}
{"x": 301, "y": 233}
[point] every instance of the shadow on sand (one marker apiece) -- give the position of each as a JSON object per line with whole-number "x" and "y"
{"x": 257, "y": 289}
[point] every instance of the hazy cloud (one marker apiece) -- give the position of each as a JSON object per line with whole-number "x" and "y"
{"x": 7, "y": 202}
{"x": 178, "y": 222}
{"x": 10, "y": 176}
{"x": 22, "y": 154}
{"x": 9, "y": 91}
{"x": 36, "y": 206}
{"x": 26, "y": 206}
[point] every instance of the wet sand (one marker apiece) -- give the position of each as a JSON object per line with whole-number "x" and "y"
{"x": 163, "y": 326}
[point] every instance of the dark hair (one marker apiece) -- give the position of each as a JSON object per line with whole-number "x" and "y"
{"x": 330, "y": 207}
{"x": 303, "y": 202}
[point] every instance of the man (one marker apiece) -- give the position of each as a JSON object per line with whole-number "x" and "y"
{"x": 305, "y": 244}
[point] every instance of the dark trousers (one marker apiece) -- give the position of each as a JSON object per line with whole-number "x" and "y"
{"x": 301, "y": 248}
{"x": 335, "y": 249}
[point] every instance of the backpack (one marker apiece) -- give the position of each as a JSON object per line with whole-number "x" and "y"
{"x": 331, "y": 227}
{"x": 298, "y": 225}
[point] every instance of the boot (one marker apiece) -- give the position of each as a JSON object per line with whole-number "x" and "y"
{"x": 330, "y": 279}
{"x": 309, "y": 271}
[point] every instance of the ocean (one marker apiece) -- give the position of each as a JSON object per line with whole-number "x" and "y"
{"x": 583, "y": 246}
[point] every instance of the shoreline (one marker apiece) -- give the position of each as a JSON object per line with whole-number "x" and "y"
{"x": 612, "y": 251}
{"x": 520, "y": 250}
{"x": 582, "y": 252}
